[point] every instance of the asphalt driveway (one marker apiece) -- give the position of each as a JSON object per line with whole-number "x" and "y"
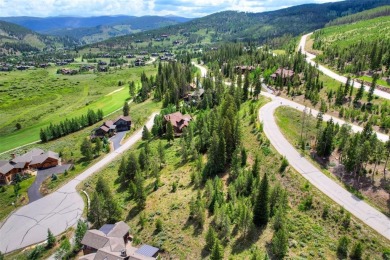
{"x": 33, "y": 191}
{"x": 117, "y": 139}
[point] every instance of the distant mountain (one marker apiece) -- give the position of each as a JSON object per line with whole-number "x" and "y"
{"x": 15, "y": 38}
{"x": 241, "y": 26}
{"x": 94, "y": 29}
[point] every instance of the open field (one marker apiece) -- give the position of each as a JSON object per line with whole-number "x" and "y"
{"x": 39, "y": 97}
{"x": 289, "y": 121}
{"x": 312, "y": 235}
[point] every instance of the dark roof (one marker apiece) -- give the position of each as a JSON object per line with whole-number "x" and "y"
{"x": 106, "y": 228}
{"x": 95, "y": 239}
{"x": 19, "y": 165}
{"x": 125, "y": 118}
{"x": 147, "y": 250}
{"x": 120, "y": 229}
{"x": 27, "y": 157}
{"x": 43, "y": 157}
{"x": 6, "y": 168}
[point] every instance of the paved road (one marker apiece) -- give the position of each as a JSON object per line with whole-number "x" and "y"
{"x": 57, "y": 211}
{"x": 33, "y": 192}
{"x": 328, "y": 72}
{"x": 117, "y": 139}
{"x": 356, "y": 206}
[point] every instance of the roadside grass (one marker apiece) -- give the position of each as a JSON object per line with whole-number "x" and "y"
{"x": 289, "y": 121}
{"x": 379, "y": 81}
{"x": 40, "y": 97}
{"x": 279, "y": 52}
{"x": 311, "y": 235}
{"x": 7, "y": 197}
{"x": 24, "y": 254}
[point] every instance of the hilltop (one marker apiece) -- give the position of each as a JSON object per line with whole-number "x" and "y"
{"x": 241, "y": 26}
{"x": 15, "y": 38}
{"x": 94, "y": 29}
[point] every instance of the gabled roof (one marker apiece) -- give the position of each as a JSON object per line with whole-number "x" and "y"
{"x": 19, "y": 165}
{"x": 124, "y": 118}
{"x": 3, "y": 162}
{"x": 120, "y": 229}
{"x": 43, "y": 157}
{"x": 6, "y": 168}
{"x": 104, "y": 128}
{"x": 27, "y": 157}
{"x": 95, "y": 239}
{"x": 178, "y": 118}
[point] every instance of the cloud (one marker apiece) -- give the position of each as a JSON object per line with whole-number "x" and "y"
{"x": 187, "y": 8}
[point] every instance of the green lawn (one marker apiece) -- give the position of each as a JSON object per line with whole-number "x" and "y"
{"x": 7, "y": 197}
{"x": 379, "y": 81}
{"x": 37, "y": 98}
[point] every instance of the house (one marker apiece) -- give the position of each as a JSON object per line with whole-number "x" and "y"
{"x": 34, "y": 159}
{"x": 283, "y": 73}
{"x": 112, "y": 242}
{"x": 178, "y": 121}
{"x": 123, "y": 123}
{"x": 109, "y": 128}
{"x": 195, "y": 96}
{"x": 139, "y": 62}
{"x": 243, "y": 69}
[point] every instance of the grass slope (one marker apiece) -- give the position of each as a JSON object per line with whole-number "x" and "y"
{"x": 40, "y": 97}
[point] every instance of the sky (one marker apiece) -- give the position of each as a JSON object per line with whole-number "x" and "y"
{"x": 185, "y": 8}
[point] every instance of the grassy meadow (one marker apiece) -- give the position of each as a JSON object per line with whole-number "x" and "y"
{"x": 36, "y": 98}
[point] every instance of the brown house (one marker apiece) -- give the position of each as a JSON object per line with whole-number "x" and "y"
{"x": 283, "y": 73}
{"x": 123, "y": 123}
{"x": 111, "y": 241}
{"x": 34, "y": 159}
{"x": 109, "y": 128}
{"x": 178, "y": 121}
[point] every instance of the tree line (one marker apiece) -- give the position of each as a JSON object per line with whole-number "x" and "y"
{"x": 68, "y": 126}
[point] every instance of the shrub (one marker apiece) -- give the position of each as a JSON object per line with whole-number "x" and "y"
{"x": 159, "y": 225}
{"x": 284, "y": 165}
{"x": 342, "y": 247}
{"x": 357, "y": 251}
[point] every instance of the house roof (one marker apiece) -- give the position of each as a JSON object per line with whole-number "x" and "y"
{"x": 125, "y": 118}
{"x": 3, "y": 162}
{"x": 27, "y": 157}
{"x": 120, "y": 229}
{"x": 95, "y": 239}
{"x": 43, "y": 157}
{"x": 106, "y": 228}
{"x": 104, "y": 128}
{"x": 108, "y": 123}
{"x": 19, "y": 165}
{"x": 147, "y": 250}
{"x": 4, "y": 169}
{"x": 178, "y": 119}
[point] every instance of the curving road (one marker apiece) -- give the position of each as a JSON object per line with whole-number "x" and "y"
{"x": 360, "y": 209}
{"x": 328, "y": 72}
{"x": 57, "y": 211}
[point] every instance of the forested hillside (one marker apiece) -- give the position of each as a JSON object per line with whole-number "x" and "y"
{"x": 358, "y": 47}
{"x": 233, "y": 26}
{"x": 15, "y": 38}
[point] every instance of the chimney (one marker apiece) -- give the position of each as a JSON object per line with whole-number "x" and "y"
{"x": 13, "y": 156}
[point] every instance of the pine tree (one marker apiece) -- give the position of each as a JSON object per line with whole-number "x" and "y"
{"x": 126, "y": 109}
{"x": 122, "y": 169}
{"x": 211, "y": 236}
{"x": 359, "y": 94}
{"x": 43, "y": 136}
{"x": 81, "y": 229}
{"x": 98, "y": 146}
{"x": 145, "y": 134}
{"x": 86, "y": 149}
{"x": 256, "y": 166}
{"x": 95, "y": 213}
{"x": 140, "y": 196}
{"x": 280, "y": 243}
{"x": 217, "y": 251}
{"x": 51, "y": 239}
{"x": 170, "y": 134}
{"x": 257, "y": 89}
{"x": 260, "y": 210}
{"x": 161, "y": 153}
{"x": 246, "y": 86}
{"x": 370, "y": 95}
{"x": 132, "y": 167}
{"x": 357, "y": 251}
